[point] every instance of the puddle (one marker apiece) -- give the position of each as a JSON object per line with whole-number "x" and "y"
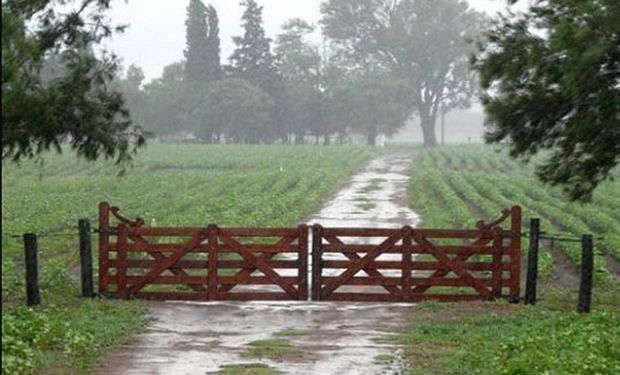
{"x": 199, "y": 338}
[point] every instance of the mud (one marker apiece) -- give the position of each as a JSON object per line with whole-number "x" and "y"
{"x": 199, "y": 338}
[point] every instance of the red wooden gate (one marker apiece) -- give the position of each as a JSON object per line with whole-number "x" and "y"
{"x": 353, "y": 264}
{"x": 409, "y": 265}
{"x": 209, "y": 263}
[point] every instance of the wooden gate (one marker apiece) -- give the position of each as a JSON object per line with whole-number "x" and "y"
{"x": 200, "y": 264}
{"x": 352, "y": 264}
{"x": 410, "y": 265}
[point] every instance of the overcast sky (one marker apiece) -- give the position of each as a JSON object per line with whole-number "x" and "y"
{"x": 156, "y": 33}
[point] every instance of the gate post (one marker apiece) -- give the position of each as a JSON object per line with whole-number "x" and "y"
{"x": 317, "y": 260}
{"x": 121, "y": 262}
{"x": 532, "y": 263}
{"x": 302, "y": 270}
{"x": 587, "y": 264}
{"x": 212, "y": 238}
{"x": 407, "y": 264}
{"x": 497, "y": 266}
{"x": 515, "y": 254}
{"x": 33, "y": 295}
{"x": 86, "y": 259}
{"x": 104, "y": 242}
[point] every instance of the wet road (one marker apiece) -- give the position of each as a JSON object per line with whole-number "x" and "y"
{"x": 339, "y": 338}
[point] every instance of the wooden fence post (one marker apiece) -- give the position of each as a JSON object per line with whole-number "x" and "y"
{"x": 212, "y": 243}
{"x": 532, "y": 263}
{"x": 86, "y": 259}
{"x": 317, "y": 259}
{"x": 303, "y": 261}
{"x": 33, "y": 297}
{"x": 587, "y": 265}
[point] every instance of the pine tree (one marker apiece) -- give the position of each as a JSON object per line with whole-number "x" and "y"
{"x": 213, "y": 65}
{"x": 252, "y": 59}
{"x": 196, "y": 42}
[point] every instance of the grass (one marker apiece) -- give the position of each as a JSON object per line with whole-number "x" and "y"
{"x": 169, "y": 185}
{"x": 292, "y": 333}
{"x": 274, "y": 349}
{"x": 456, "y": 185}
{"x": 499, "y": 338}
{"x": 248, "y": 369}
{"x": 384, "y": 359}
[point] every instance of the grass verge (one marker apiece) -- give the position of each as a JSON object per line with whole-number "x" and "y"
{"x": 499, "y": 338}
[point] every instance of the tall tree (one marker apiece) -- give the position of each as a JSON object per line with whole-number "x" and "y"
{"x": 166, "y": 101}
{"x": 299, "y": 64}
{"x": 195, "y": 53}
{"x": 131, "y": 87}
{"x": 253, "y": 61}
{"x": 77, "y": 103}
{"x": 421, "y": 42}
{"x": 551, "y": 80}
{"x": 213, "y": 63}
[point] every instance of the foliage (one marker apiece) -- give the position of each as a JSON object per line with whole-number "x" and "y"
{"x": 552, "y": 82}
{"x": 78, "y": 105}
{"x": 33, "y": 338}
{"x": 455, "y": 186}
{"x": 502, "y": 339}
{"x": 423, "y": 43}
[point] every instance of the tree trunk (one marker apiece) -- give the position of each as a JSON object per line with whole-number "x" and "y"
{"x": 326, "y": 139}
{"x": 372, "y": 136}
{"x": 428, "y": 130}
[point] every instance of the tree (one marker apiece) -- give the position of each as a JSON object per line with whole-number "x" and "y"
{"x": 236, "y": 108}
{"x": 299, "y": 65}
{"x": 253, "y": 61}
{"x": 214, "y": 67}
{"x": 196, "y": 31}
{"x": 424, "y": 43}
{"x": 551, "y": 80}
{"x": 77, "y": 102}
{"x": 166, "y": 100}
{"x": 131, "y": 87}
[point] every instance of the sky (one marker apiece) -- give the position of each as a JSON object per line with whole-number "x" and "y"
{"x": 155, "y": 36}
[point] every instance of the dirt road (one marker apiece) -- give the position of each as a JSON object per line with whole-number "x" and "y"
{"x": 330, "y": 337}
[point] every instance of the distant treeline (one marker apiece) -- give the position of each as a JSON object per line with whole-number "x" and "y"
{"x": 381, "y": 63}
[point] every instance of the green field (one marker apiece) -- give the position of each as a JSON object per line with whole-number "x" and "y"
{"x": 455, "y": 186}
{"x": 272, "y": 186}
{"x": 168, "y": 185}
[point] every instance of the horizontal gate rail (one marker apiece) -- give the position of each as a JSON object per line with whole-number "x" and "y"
{"x": 348, "y": 264}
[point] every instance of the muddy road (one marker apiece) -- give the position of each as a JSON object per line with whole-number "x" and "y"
{"x": 328, "y": 337}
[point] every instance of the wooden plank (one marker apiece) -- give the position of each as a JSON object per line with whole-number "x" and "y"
{"x": 376, "y": 265}
{"x": 441, "y": 281}
{"x": 166, "y": 231}
{"x": 371, "y": 272}
{"x": 264, "y": 248}
{"x": 147, "y": 247}
{"x": 104, "y": 239}
{"x": 172, "y": 296}
{"x": 121, "y": 272}
{"x": 167, "y": 263}
{"x": 260, "y": 265}
{"x": 407, "y": 261}
{"x": 254, "y": 296}
{"x": 364, "y": 297}
{"x": 302, "y": 271}
{"x": 149, "y": 263}
{"x": 254, "y": 280}
{"x": 258, "y": 232}
{"x": 341, "y": 247}
{"x": 453, "y": 265}
{"x": 367, "y": 280}
{"x": 163, "y": 280}
{"x": 459, "y": 258}
{"x": 360, "y": 264}
{"x": 515, "y": 252}
{"x": 251, "y": 268}
{"x": 212, "y": 276}
{"x": 360, "y": 232}
{"x": 496, "y": 284}
{"x": 470, "y": 266}
{"x": 317, "y": 261}
{"x": 245, "y": 264}
{"x": 160, "y": 257}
